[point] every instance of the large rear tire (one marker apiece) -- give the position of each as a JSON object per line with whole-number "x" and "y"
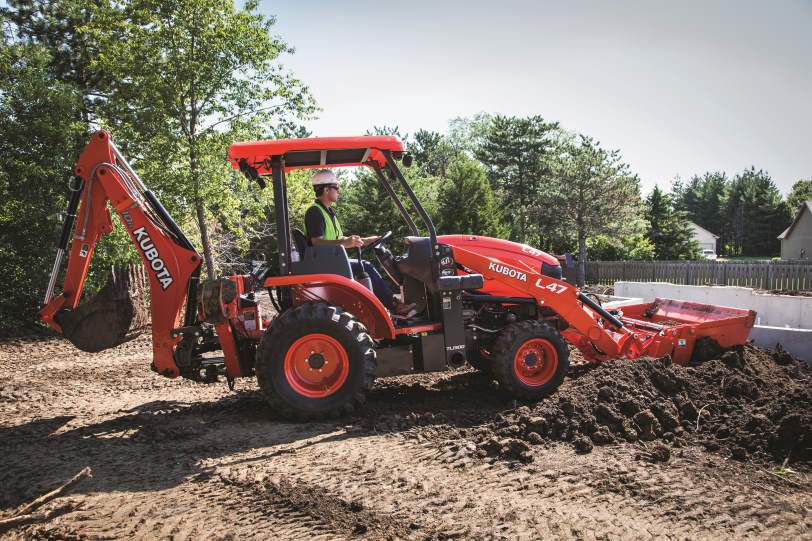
{"x": 315, "y": 361}
{"x": 530, "y": 359}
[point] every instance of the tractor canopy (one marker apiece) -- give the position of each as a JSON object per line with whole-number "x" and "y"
{"x": 314, "y": 152}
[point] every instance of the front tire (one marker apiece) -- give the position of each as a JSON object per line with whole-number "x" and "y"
{"x": 315, "y": 361}
{"x": 530, "y": 359}
{"x": 481, "y": 359}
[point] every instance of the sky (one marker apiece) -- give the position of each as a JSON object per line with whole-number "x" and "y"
{"x": 679, "y": 88}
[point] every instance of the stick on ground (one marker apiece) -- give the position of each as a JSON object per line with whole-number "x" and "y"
{"x": 86, "y": 472}
{"x": 19, "y": 520}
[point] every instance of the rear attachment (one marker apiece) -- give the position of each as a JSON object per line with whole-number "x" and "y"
{"x": 118, "y": 313}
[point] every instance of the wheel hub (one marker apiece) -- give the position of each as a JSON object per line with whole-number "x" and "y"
{"x": 316, "y": 365}
{"x": 536, "y": 362}
{"x": 316, "y": 360}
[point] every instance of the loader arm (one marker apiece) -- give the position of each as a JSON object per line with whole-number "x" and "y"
{"x": 101, "y": 176}
{"x": 611, "y": 340}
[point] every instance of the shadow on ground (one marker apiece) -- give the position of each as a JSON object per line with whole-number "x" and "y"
{"x": 160, "y": 444}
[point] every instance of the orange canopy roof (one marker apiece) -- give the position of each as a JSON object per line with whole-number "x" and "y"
{"x": 314, "y": 152}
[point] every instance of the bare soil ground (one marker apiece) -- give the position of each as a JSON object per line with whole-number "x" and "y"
{"x": 432, "y": 457}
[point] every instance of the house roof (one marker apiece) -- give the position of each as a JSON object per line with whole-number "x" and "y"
{"x": 807, "y": 205}
{"x": 703, "y": 229}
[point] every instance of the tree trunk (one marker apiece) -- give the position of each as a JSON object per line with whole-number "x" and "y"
{"x": 204, "y": 239}
{"x": 581, "y": 259}
{"x": 200, "y": 210}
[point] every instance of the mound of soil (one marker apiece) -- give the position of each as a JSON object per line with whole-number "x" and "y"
{"x": 750, "y": 403}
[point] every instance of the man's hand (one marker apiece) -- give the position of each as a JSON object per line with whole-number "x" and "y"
{"x": 353, "y": 241}
{"x": 370, "y": 240}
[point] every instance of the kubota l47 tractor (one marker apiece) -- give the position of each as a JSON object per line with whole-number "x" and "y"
{"x": 497, "y": 305}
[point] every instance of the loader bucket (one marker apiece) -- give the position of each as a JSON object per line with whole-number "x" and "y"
{"x": 698, "y": 331}
{"x": 118, "y": 313}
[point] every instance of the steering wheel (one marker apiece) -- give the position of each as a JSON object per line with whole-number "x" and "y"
{"x": 385, "y": 237}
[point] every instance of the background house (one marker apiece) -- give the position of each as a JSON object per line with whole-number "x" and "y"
{"x": 705, "y": 239}
{"x": 796, "y": 241}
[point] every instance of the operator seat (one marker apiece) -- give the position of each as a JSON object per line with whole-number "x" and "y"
{"x": 319, "y": 259}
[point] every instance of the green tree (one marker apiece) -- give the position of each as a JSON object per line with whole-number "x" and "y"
{"x": 591, "y": 192}
{"x": 755, "y": 214}
{"x": 800, "y": 193}
{"x": 515, "y": 153}
{"x": 432, "y": 152}
{"x": 702, "y": 200}
{"x": 58, "y": 26}
{"x": 631, "y": 247}
{"x": 668, "y": 229}
{"x": 190, "y": 77}
{"x": 466, "y": 203}
{"x": 40, "y": 131}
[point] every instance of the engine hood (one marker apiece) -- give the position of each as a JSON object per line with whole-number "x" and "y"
{"x": 504, "y": 250}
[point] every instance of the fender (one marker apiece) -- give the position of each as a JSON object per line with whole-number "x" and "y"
{"x": 340, "y": 291}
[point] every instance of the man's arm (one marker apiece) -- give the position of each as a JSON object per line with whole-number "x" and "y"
{"x": 314, "y": 221}
{"x": 353, "y": 241}
{"x": 369, "y": 240}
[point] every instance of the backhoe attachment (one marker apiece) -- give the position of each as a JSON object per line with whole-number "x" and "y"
{"x": 102, "y": 180}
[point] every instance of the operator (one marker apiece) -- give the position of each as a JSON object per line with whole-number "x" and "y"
{"x": 322, "y": 229}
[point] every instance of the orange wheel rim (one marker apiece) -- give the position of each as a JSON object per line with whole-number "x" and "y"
{"x": 535, "y": 362}
{"x": 316, "y": 365}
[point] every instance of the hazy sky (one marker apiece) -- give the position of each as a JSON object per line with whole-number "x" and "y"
{"x": 680, "y": 88}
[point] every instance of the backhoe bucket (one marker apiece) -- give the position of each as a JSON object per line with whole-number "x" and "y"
{"x": 117, "y": 314}
{"x": 699, "y": 331}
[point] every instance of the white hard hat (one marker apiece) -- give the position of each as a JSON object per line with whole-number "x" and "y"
{"x": 323, "y": 176}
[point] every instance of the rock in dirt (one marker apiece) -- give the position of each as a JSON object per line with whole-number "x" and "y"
{"x": 582, "y": 444}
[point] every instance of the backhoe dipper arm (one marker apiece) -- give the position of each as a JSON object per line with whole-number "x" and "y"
{"x": 102, "y": 176}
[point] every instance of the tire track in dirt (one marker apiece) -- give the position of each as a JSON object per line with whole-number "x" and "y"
{"x": 563, "y": 495}
{"x": 175, "y": 459}
{"x": 210, "y": 509}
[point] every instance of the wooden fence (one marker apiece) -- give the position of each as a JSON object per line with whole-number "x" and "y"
{"x": 781, "y": 275}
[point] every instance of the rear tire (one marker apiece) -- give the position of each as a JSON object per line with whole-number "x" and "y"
{"x": 316, "y": 361}
{"x": 530, "y": 359}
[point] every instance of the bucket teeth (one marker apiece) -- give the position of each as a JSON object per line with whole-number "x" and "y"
{"x": 118, "y": 313}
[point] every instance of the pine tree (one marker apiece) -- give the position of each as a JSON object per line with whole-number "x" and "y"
{"x": 515, "y": 151}
{"x": 703, "y": 200}
{"x": 466, "y": 202}
{"x": 590, "y": 192}
{"x": 668, "y": 229}
{"x": 755, "y": 215}
{"x": 432, "y": 152}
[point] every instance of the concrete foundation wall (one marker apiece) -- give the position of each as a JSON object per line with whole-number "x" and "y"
{"x": 773, "y": 310}
{"x": 796, "y": 341}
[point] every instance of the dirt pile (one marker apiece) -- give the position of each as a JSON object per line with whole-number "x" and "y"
{"x": 750, "y": 403}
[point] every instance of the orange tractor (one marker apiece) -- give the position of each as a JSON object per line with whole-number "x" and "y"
{"x": 497, "y": 305}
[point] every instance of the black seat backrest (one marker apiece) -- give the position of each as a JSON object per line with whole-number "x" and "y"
{"x": 299, "y": 240}
{"x": 324, "y": 260}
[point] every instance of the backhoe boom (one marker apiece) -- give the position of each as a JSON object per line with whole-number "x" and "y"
{"x": 103, "y": 176}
